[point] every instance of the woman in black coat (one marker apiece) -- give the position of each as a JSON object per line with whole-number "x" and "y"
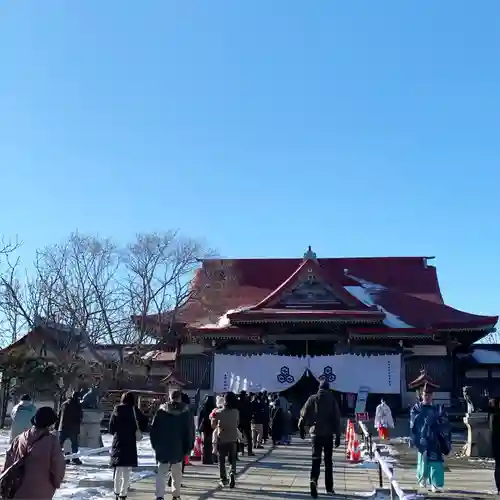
{"x": 125, "y": 420}
{"x": 205, "y": 428}
{"x": 277, "y": 422}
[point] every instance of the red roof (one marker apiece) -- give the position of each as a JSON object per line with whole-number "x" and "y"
{"x": 403, "y": 292}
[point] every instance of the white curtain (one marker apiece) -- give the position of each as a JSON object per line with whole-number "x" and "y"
{"x": 254, "y": 373}
{"x": 348, "y": 372}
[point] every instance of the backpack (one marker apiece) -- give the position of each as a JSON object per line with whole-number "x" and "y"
{"x": 12, "y": 478}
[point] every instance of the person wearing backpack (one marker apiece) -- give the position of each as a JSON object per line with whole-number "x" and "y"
{"x": 35, "y": 460}
{"x": 321, "y": 413}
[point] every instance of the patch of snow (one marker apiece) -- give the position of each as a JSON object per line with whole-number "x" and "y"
{"x": 389, "y": 450}
{"x": 375, "y": 495}
{"x": 401, "y": 440}
{"x": 364, "y": 293}
{"x": 482, "y": 460}
{"x": 224, "y": 321}
{"x": 93, "y": 480}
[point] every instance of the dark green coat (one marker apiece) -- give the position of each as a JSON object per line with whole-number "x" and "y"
{"x": 172, "y": 433}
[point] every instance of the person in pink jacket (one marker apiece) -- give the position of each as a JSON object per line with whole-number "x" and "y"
{"x": 44, "y": 465}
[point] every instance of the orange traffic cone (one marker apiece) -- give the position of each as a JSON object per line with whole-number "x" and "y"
{"x": 196, "y": 453}
{"x": 348, "y": 439}
{"x": 355, "y": 455}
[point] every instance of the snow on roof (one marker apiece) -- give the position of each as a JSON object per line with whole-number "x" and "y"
{"x": 364, "y": 294}
{"x": 486, "y": 357}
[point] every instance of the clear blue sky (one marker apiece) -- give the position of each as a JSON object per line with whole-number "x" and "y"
{"x": 361, "y": 128}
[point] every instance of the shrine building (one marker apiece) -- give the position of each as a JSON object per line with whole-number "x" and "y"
{"x": 284, "y": 324}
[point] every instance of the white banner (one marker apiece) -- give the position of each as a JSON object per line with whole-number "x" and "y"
{"x": 274, "y": 373}
{"x": 256, "y": 373}
{"x": 349, "y": 372}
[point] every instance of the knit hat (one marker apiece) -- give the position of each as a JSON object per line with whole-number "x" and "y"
{"x": 44, "y": 417}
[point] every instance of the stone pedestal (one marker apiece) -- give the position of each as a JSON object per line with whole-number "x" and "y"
{"x": 478, "y": 435}
{"x": 90, "y": 430}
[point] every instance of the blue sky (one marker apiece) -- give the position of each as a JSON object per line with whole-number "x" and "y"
{"x": 361, "y": 128}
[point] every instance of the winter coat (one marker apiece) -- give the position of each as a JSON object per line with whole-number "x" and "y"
{"x": 260, "y": 412}
{"x": 21, "y": 416}
{"x": 429, "y": 431}
{"x": 321, "y": 412}
{"x": 245, "y": 408}
{"x": 44, "y": 467}
{"x": 277, "y": 423}
{"x": 122, "y": 426}
{"x": 172, "y": 433}
{"x": 383, "y": 417}
{"x": 226, "y": 421}
{"x": 494, "y": 418}
{"x": 204, "y": 424}
{"x": 70, "y": 417}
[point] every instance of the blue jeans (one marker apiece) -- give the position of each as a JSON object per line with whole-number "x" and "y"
{"x": 73, "y": 439}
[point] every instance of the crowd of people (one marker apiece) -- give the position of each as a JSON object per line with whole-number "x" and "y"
{"x": 229, "y": 425}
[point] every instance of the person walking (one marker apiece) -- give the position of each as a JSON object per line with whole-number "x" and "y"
{"x": 44, "y": 464}
{"x": 126, "y": 424}
{"x": 171, "y": 436}
{"x": 494, "y": 421}
{"x": 321, "y": 413}
{"x": 245, "y": 408}
{"x": 430, "y": 433}
{"x": 260, "y": 415}
{"x": 21, "y": 416}
{"x": 226, "y": 422}
{"x": 383, "y": 420}
{"x": 70, "y": 421}
{"x": 205, "y": 428}
{"x": 277, "y": 423}
{"x": 219, "y": 401}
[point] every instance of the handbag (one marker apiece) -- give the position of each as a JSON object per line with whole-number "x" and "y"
{"x": 138, "y": 433}
{"x": 12, "y": 478}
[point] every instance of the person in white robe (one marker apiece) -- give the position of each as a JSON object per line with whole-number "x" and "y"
{"x": 383, "y": 420}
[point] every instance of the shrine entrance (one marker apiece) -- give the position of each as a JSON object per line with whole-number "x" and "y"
{"x": 297, "y": 394}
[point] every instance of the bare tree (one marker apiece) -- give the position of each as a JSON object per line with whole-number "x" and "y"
{"x": 10, "y": 324}
{"x": 60, "y": 298}
{"x": 160, "y": 267}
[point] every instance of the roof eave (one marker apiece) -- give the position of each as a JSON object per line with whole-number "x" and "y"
{"x": 254, "y": 321}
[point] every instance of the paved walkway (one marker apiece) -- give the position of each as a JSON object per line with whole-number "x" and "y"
{"x": 463, "y": 478}
{"x": 272, "y": 474}
{"x": 283, "y": 472}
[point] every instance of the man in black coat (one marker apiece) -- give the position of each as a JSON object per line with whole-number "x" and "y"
{"x": 260, "y": 415}
{"x": 322, "y": 414}
{"x": 172, "y": 437}
{"x": 70, "y": 419}
{"x": 245, "y": 427}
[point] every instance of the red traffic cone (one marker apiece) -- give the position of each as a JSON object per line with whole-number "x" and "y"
{"x": 196, "y": 453}
{"x": 355, "y": 455}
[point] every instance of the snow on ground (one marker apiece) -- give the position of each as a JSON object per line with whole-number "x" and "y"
{"x": 94, "y": 479}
